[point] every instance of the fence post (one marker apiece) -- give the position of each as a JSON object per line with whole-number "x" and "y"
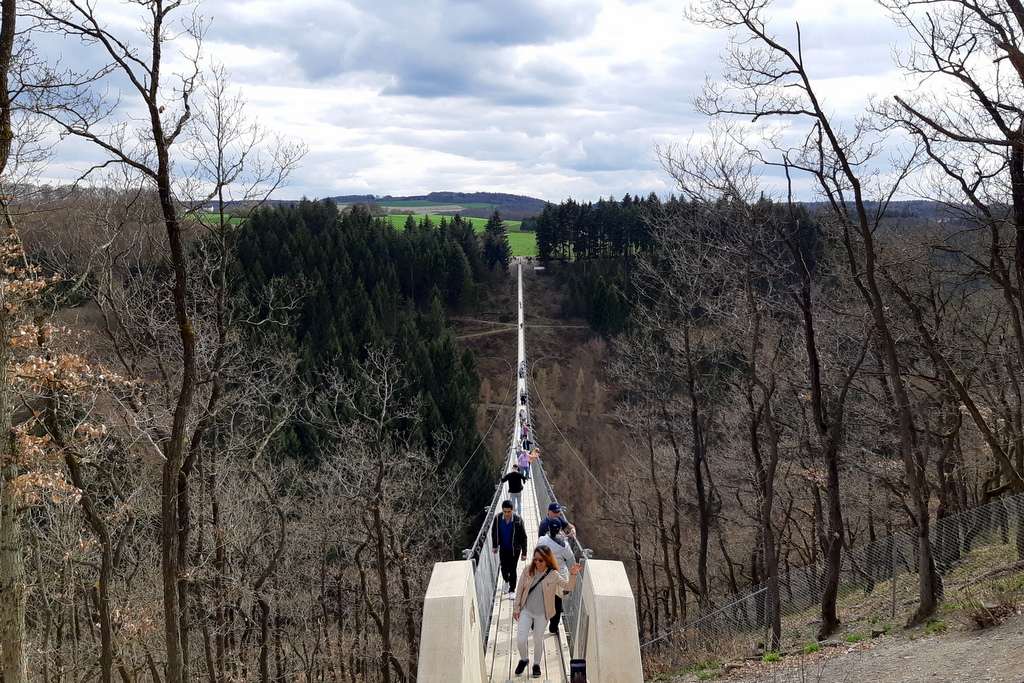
{"x": 893, "y": 610}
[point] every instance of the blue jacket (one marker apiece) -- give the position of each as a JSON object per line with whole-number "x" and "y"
{"x": 518, "y": 534}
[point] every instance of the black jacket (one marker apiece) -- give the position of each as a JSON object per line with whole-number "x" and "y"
{"x": 515, "y": 482}
{"x": 518, "y": 534}
{"x": 542, "y": 528}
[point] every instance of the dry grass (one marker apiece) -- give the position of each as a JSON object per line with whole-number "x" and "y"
{"x": 982, "y": 590}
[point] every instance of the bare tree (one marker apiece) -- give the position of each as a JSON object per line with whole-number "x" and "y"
{"x": 387, "y": 480}
{"x": 80, "y": 112}
{"x": 766, "y": 78}
{"x": 973, "y": 138}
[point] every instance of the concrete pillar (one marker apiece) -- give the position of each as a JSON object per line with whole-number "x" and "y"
{"x": 606, "y": 631}
{"x": 451, "y": 644}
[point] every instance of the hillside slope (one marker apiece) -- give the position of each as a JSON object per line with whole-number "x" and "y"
{"x": 995, "y": 655}
{"x": 477, "y": 204}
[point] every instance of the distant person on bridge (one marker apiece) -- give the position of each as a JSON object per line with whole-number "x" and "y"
{"x": 508, "y": 539}
{"x": 555, "y": 512}
{"x": 515, "y": 480}
{"x": 539, "y": 584}
{"x": 559, "y": 546}
{"x": 523, "y": 461}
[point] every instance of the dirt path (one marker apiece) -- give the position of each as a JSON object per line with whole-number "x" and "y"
{"x": 994, "y": 656}
{"x": 486, "y": 333}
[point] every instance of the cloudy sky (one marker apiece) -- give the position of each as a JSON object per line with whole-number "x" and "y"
{"x": 551, "y": 98}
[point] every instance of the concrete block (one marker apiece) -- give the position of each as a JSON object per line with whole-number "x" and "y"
{"x": 607, "y": 633}
{"x": 451, "y": 645}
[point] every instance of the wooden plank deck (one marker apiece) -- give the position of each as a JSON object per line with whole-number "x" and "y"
{"x": 502, "y": 653}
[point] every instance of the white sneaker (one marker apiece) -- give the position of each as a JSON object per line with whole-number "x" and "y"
{"x": 511, "y": 595}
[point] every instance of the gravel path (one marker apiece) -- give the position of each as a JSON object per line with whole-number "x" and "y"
{"x": 992, "y": 656}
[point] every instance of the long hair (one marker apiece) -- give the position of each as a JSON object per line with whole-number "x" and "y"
{"x": 549, "y": 559}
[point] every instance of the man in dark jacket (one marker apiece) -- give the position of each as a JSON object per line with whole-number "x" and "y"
{"x": 515, "y": 480}
{"x": 508, "y": 539}
{"x": 555, "y": 512}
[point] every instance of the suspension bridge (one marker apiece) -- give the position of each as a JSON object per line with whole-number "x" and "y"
{"x": 468, "y": 633}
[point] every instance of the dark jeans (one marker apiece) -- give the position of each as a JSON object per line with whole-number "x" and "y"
{"x": 553, "y": 624}
{"x": 509, "y": 561}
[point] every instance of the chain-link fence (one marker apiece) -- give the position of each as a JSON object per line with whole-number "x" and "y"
{"x": 877, "y": 580}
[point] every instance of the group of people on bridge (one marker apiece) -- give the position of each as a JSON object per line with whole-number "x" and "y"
{"x": 538, "y": 590}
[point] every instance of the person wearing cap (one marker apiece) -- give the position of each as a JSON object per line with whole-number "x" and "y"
{"x": 515, "y": 480}
{"x": 555, "y": 512}
{"x": 559, "y": 546}
{"x": 508, "y": 540}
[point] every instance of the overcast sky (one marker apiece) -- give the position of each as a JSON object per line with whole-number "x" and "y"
{"x": 551, "y": 98}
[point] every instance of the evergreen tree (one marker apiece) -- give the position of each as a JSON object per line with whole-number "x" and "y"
{"x": 496, "y": 249}
{"x": 369, "y": 285}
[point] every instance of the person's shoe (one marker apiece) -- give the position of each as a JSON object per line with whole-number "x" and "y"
{"x": 521, "y": 666}
{"x": 553, "y": 629}
{"x": 536, "y": 670}
{"x": 510, "y": 595}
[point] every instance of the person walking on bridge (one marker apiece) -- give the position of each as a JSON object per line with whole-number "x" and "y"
{"x": 523, "y": 462}
{"x": 508, "y": 541}
{"x": 515, "y": 480}
{"x": 534, "y": 604}
{"x": 555, "y": 511}
{"x": 559, "y": 546}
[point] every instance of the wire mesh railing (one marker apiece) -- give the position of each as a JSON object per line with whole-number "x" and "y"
{"x": 486, "y": 567}
{"x": 572, "y": 604}
{"x": 878, "y": 577}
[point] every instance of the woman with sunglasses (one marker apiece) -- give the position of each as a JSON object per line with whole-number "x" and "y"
{"x": 534, "y": 607}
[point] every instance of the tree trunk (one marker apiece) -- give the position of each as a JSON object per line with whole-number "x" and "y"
{"x": 832, "y": 547}
{"x": 662, "y": 535}
{"x": 703, "y": 505}
{"x": 13, "y": 662}
{"x": 13, "y": 657}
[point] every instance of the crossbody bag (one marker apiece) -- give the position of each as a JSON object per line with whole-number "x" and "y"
{"x": 537, "y": 583}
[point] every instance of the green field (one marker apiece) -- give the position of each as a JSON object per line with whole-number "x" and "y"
{"x": 521, "y": 243}
{"x": 398, "y": 220}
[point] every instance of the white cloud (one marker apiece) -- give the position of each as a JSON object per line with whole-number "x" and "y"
{"x": 551, "y": 98}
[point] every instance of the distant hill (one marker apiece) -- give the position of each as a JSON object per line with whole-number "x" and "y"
{"x": 479, "y": 204}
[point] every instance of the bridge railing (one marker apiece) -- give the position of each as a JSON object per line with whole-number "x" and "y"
{"x": 572, "y": 604}
{"x": 486, "y": 567}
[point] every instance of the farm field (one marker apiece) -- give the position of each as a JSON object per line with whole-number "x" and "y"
{"x": 212, "y": 219}
{"x": 398, "y": 220}
{"x": 522, "y": 243}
